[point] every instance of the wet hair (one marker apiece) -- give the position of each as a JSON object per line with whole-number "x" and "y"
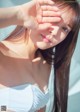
{"x": 62, "y": 58}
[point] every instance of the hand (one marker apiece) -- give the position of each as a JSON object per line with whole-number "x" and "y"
{"x": 38, "y": 14}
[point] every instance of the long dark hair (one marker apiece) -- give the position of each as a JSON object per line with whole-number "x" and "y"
{"x": 62, "y": 58}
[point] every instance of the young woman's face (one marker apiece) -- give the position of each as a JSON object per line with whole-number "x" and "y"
{"x": 56, "y": 34}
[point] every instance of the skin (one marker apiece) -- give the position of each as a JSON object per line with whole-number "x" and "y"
{"x": 48, "y": 34}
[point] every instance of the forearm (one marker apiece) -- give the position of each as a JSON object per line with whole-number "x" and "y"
{"x": 8, "y": 16}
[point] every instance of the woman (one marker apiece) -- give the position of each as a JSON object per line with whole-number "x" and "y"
{"x": 27, "y": 56}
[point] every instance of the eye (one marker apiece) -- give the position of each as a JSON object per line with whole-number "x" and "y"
{"x": 65, "y": 29}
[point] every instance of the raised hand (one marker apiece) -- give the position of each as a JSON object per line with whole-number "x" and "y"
{"x": 38, "y": 14}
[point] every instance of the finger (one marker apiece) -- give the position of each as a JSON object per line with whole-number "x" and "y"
{"x": 38, "y": 8}
{"x": 50, "y": 13}
{"x": 51, "y": 19}
{"x": 37, "y": 59}
{"x": 38, "y": 11}
{"x": 49, "y": 7}
{"x": 47, "y": 2}
{"x": 44, "y": 26}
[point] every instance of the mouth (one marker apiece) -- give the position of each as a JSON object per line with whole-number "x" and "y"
{"x": 45, "y": 39}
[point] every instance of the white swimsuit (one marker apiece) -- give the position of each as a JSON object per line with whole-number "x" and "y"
{"x": 23, "y": 98}
{"x": 26, "y": 98}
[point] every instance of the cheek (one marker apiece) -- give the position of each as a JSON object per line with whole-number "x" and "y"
{"x": 34, "y": 36}
{"x": 61, "y": 37}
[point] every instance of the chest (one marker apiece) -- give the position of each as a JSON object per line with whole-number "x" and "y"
{"x": 18, "y": 72}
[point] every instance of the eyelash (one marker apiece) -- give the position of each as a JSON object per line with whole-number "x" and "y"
{"x": 65, "y": 29}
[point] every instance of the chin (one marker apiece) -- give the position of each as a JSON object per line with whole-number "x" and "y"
{"x": 43, "y": 46}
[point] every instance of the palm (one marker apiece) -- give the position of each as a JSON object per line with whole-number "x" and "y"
{"x": 39, "y": 14}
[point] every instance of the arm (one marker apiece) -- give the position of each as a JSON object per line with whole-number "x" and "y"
{"x": 8, "y": 16}
{"x": 17, "y": 15}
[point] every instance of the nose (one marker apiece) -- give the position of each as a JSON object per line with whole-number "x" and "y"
{"x": 54, "y": 30}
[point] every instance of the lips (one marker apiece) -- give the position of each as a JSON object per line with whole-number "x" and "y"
{"x": 45, "y": 39}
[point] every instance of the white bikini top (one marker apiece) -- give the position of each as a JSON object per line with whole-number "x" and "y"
{"x": 27, "y": 97}
{"x": 23, "y": 98}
